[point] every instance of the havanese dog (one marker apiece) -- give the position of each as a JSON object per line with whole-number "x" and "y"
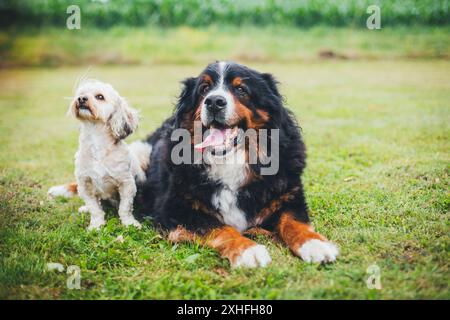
{"x": 106, "y": 168}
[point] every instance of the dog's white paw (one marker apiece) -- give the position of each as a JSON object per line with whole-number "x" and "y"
{"x": 60, "y": 191}
{"x": 83, "y": 209}
{"x": 255, "y": 256}
{"x": 130, "y": 221}
{"x": 96, "y": 224}
{"x": 318, "y": 251}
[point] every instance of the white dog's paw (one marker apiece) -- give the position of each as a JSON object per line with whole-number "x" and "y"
{"x": 83, "y": 209}
{"x": 96, "y": 224}
{"x": 60, "y": 191}
{"x": 255, "y": 256}
{"x": 130, "y": 221}
{"x": 318, "y": 251}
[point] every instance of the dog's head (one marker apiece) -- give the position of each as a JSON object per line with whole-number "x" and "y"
{"x": 227, "y": 97}
{"x": 96, "y": 101}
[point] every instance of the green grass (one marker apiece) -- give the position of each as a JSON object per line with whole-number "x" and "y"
{"x": 185, "y": 45}
{"x": 377, "y": 183}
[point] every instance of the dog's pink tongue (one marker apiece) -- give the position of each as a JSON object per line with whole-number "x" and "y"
{"x": 216, "y": 137}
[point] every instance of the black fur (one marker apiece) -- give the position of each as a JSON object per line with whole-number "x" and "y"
{"x": 170, "y": 189}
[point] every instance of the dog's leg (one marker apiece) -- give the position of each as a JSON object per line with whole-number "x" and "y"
{"x": 83, "y": 209}
{"x": 93, "y": 206}
{"x": 239, "y": 250}
{"x": 304, "y": 242}
{"x": 97, "y": 214}
{"x": 127, "y": 191}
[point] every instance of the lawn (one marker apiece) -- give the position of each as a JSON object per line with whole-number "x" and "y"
{"x": 377, "y": 183}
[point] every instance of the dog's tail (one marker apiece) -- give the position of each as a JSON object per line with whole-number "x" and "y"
{"x": 65, "y": 190}
{"x": 141, "y": 150}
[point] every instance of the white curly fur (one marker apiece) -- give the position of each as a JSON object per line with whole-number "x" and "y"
{"x": 104, "y": 165}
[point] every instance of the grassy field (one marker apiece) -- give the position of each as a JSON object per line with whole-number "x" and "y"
{"x": 377, "y": 183}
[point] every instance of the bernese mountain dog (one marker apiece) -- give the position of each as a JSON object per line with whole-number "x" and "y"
{"x": 216, "y": 201}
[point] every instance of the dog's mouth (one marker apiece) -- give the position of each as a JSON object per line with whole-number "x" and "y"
{"x": 220, "y": 139}
{"x": 83, "y": 110}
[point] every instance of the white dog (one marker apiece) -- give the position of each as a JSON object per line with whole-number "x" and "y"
{"x": 105, "y": 167}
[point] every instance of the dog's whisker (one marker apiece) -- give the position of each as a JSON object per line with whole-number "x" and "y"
{"x": 82, "y": 78}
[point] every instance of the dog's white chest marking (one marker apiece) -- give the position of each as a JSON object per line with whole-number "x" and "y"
{"x": 232, "y": 174}
{"x": 225, "y": 201}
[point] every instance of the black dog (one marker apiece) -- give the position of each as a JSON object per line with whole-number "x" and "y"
{"x": 215, "y": 201}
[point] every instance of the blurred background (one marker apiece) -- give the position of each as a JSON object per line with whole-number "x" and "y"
{"x": 138, "y": 32}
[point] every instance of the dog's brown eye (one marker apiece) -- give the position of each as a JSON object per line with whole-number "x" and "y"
{"x": 99, "y": 97}
{"x": 204, "y": 88}
{"x": 241, "y": 90}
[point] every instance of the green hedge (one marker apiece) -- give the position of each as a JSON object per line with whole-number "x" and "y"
{"x": 106, "y": 13}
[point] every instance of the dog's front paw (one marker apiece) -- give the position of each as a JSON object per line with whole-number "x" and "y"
{"x": 255, "y": 256}
{"x": 130, "y": 221}
{"x": 318, "y": 251}
{"x": 96, "y": 224}
{"x": 83, "y": 209}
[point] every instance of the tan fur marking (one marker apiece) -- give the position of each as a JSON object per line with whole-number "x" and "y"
{"x": 180, "y": 234}
{"x": 189, "y": 119}
{"x": 245, "y": 113}
{"x": 207, "y": 78}
{"x": 295, "y": 233}
{"x": 92, "y": 109}
{"x": 274, "y": 206}
{"x": 200, "y": 206}
{"x": 236, "y": 82}
{"x": 256, "y": 231}
{"x": 187, "y": 122}
{"x": 198, "y": 112}
{"x": 228, "y": 242}
{"x": 72, "y": 187}
{"x": 263, "y": 114}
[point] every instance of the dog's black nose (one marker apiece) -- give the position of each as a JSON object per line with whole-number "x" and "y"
{"x": 215, "y": 103}
{"x": 82, "y": 99}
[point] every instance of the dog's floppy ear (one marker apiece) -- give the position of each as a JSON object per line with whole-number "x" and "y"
{"x": 271, "y": 83}
{"x": 123, "y": 121}
{"x": 185, "y": 100}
